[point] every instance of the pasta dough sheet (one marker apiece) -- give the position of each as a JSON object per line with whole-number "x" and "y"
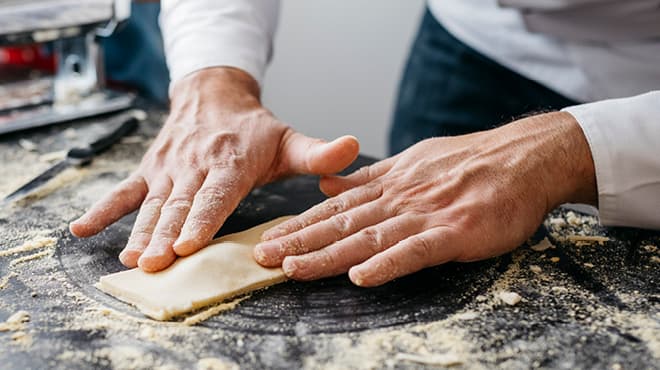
{"x": 224, "y": 269}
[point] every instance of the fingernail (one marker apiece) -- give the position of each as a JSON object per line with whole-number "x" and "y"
{"x": 147, "y": 260}
{"x": 74, "y": 226}
{"x": 187, "y": 242}
{"x": 128, "y": 251}
{"x": 289, "y": 266}
{"x": 356, "y": 276}
{"x": 154, "y": 263}
{"x": 182, "y": 247}
{"x": 266, "y": 252}
{"x": 123, "y": 255}
{"x": 259, "y": 255}
{"x": 126, "y": 260}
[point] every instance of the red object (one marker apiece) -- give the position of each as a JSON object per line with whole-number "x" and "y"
{"x": 32, "y": 56}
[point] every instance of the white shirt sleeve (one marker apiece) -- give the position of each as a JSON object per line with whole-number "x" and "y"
{"x": 198, "y": 34}
{"x": 624, "y": 137}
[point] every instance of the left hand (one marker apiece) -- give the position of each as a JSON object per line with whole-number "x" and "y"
{"x": 218, "y": 143}
{"x": 460, "y": 198}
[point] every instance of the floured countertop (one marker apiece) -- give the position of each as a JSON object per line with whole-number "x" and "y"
{"x": 576, "y": 296}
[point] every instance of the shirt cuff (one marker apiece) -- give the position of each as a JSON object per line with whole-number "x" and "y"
{"x": 199, "y": 34}
{"x": 622, "y": 135}
{"x": 189, "y": 64}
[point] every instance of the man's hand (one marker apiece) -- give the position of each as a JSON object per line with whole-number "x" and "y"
{"x": 217, "y": 144}
{"x": 445, "y": 199}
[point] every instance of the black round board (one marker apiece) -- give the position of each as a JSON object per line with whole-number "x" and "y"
{"x": 326, "y": 306}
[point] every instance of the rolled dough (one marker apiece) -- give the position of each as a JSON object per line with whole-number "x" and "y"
{"x": 224, "y": 269}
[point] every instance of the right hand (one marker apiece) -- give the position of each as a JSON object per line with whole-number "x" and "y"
{"x": 217, "y": 144}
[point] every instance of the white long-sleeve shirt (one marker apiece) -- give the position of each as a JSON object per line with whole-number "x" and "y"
{"x": 617, "y": 72}
{"x": 204, "y": 33}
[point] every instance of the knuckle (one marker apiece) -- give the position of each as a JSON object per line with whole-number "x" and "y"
{"x": 415, "y": 201}
{"x": 328, "y": 259}
{"x": 193, "y": 160}
{"x": 296, "y": 225}
{"x": 335, "y": 205}
{"x": 199, "y": 227}
{"x": 160, "y": 149}
{"x": 467, "y": 219}
{"x": 178, "y": 204}
{"x": 364, "y": 172}
{"x": 290, "y": 226}
{"x": 422, "y": 247}
{"x": 212, "y": 191}
{"x": 166, "y": 233}
{"x": 418, "y": 213}
{"x": 234, "y": 159}
{"x": 399, "y": 205}
{"x": 376, "y": 190}
{"x": 153, "y": 201}
{"x": 373, "y": 240}
{"x": 139, "y": 235}
{"x": 342, "y": 224}
{"x": 223, "y": 145}
{"x": 396, "y": 205}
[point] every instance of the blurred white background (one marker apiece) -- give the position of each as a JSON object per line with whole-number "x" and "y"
{"x": 337, "y": 66}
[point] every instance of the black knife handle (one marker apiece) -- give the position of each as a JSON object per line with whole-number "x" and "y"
{"x": 122, "y": 125}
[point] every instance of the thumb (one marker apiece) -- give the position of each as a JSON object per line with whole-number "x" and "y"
{"x": 335, "y": 185}
{"x": 303, "y": 154}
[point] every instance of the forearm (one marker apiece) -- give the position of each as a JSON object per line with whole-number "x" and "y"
{"x": 559, "y": 148}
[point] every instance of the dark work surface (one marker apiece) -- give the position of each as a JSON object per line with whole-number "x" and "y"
{"x": 594, "y": 307}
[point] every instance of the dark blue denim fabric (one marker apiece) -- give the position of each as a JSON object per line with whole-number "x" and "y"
{"x": 450, "y": 89}
{"x": 134, "y": 53}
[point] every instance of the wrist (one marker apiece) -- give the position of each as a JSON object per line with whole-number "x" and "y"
{"x": 566, "y": 166}
{"x": 228, "y": 87}
{"x": 581, "y": 168}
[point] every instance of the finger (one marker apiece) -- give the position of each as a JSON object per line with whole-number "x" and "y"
{"x": 216, "y": 199}
{"x": 145, "y": 222}
{"x": 325, "y": 210}
{"x": 124, "y": 199}
{"x": 335, "y": 185}
{"x": 303, "y": 154}
{"x": 159, "y": 252}
{"x": 429, "y": 248}
{"x": 337, "y": 258}
{"x": 321, "y": 234}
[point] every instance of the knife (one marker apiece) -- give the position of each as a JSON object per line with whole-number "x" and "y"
{"x": 120, "y": 125}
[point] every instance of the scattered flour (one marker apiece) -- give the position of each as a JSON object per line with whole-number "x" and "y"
{"x": 5, "y": 279}
{"x": 212, "y": 363}
{"x": 30, "y": 257}
{"x": 542, "y": 245}
{"x": 15, "y": 322}
{"x": 39, "y": 243}
{"x": 210, "y": 312}
{"x": 441, "y": 359}
{"x": 510, "y": 298}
